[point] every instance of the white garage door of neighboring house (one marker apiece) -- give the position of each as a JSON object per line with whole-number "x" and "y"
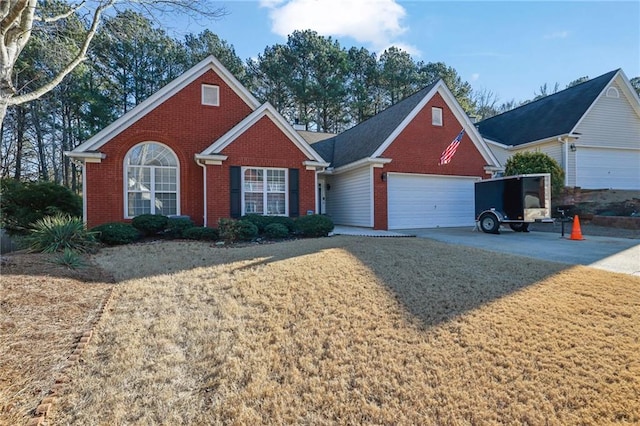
{"x": 599, "y": 168}
{"x": 427, "y": 201}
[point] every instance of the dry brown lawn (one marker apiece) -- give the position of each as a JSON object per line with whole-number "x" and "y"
{"x": 349, "y": 330}
{"x": 44, "y": 308}
{"x": 341, "y": 330}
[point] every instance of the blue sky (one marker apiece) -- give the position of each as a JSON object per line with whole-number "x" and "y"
{"x": 510, "y": 48}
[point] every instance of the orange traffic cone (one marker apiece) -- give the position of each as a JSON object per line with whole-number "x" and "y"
{"x": 576, "y": 233}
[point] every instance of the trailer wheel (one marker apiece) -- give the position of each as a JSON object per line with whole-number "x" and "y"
{"x": 520, "y": 226}
{"x": 489, "y": 223}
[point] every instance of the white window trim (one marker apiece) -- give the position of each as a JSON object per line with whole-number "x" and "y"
{"x": 125, "y": 169}
{"x": 612, "y": 92}
{"x": 265, "y": 191}
{"x": 436, "y": 116}
{"x": 206, "y": 87}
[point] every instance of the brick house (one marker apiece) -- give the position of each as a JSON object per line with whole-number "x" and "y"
{"x": 204, "y": 147}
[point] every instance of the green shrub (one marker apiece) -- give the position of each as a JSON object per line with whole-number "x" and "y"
{"x": 283, "y": 220}
{"x": 536, "y": 162}
{"x": 258, "y": 220}
{"x": 69, "y": 258}
{"x": 276, "y": 230}
{"x": 247, "y": 231}
{"x": 237, "y": 230}
{"x": 201, "y": 233}
{"x": 57, "y": 233}
{"x": 263, "y": 221}
{"x": 150, "y": 224}
{"x": 116, "y": 233}
{"x": 176, "y": 226}
{"x": 23, "y": 203}
{"x": 314, "y": 226}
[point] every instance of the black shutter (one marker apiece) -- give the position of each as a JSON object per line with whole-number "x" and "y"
{"x": 294, "y": 193}
{"x": 236, "y": 192}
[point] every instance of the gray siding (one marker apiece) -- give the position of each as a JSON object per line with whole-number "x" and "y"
{"x": 349, "y": 201}
{"x": 611, "y": 122}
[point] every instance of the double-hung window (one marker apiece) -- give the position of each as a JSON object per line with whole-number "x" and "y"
{"x": 151, "y": 180}
{"x": 264, "y": 191}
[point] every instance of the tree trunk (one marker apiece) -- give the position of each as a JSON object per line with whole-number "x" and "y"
{"x": 21, "y": 124}
{"x": 40, "y": 143}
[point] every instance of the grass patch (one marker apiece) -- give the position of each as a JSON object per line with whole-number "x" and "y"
{"x": 44, "y": 308}
{"x": 352, "y": 330}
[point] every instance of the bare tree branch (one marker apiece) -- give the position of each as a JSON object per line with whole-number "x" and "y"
{"x": 65, "y": 15}
{"x": 80, "y": 57}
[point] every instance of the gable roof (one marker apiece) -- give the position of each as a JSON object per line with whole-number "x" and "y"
{"x": 362, "y": 140}
{"x": 210, "y": 63}
{"x": 553, "y": 115}
{"x": 269, "y": 111}
{"x": 369, "y": 139}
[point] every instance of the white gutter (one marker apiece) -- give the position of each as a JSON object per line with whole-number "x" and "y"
{"x": 315, "y": 165}
{"x": 89, "y": 157}
{"x": 374, "y": 162}
{"x": 212, "y": 159}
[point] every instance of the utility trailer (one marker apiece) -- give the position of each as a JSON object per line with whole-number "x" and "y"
{"x": 514, "y": 200}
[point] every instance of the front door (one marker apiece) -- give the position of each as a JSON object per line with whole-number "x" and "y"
{"x": 322, "y": 202}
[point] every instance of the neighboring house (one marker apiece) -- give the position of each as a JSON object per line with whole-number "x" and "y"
{"x": 592, "y": 130}
{"x": 204, "y": 147}
{"x": 384, "y": 172}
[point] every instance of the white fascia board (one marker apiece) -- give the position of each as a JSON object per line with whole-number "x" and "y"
{"x": 408, "y": 119}
{"x": 365, "y": 162}
{"x": 265, "y": 110}
{"x": 315, "y": 165}
{"x": 215, "y": 160}
{"x": 87, "y": 157}
{"x": 498, "y": 144}
{"x": 155, "y": 100}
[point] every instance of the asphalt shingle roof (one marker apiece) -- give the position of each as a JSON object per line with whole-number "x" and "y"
{"x": 550, "y": 116}
{"x": 362, "y": 140}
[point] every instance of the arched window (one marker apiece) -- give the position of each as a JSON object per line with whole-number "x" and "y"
{"x": 151, "y": 180}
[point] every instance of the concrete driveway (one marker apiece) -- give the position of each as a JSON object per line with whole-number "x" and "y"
{"x": 608, "y": 253}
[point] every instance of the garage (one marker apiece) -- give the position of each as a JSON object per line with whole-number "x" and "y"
{"x": 430, "y": 201}
{"x": 602, "y": 168}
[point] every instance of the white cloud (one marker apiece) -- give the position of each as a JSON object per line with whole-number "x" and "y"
{"x": 377, "y": 23}
{"x": 557, "y": 34}
{"x": 475, "y": 76}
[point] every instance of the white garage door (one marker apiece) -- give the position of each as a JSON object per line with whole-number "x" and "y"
{"x": 427, "y": 201}
{"x": 599, "y": 168}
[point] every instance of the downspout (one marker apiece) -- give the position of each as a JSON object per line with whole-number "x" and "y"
{"x": 565, "y": 142}
{"x": 84, "y": 192}
{"x": 315, "y": 191}
{"x": 204, "y": 179}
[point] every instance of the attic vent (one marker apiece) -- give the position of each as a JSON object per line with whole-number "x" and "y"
{"x": 210, "y": 95}
{"x": 436, "y": 116}
{"x": 612, "y": 92}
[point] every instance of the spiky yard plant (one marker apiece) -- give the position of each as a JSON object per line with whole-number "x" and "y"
{"x": 56, "y": 233}
{"x": 69, "y": 258}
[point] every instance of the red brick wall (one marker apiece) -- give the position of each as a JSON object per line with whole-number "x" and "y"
{"x": 263, "y": 145}
{"x": 183, "y": 124}
{"x": 417, "y": 150}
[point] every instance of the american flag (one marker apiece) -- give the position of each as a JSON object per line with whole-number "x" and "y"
{"x": 448, "y": 153}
